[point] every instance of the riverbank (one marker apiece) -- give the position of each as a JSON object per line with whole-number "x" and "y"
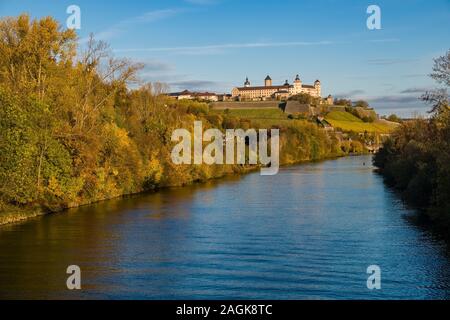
{"x": 14, "y": 214}
{"x": 415, "y": 158}
{"x": 125, "y": 158}
{"x": 89, "y": 137}
{"x": 415, "y": 162}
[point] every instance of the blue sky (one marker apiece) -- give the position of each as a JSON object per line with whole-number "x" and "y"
{"x": 214, "y": 44}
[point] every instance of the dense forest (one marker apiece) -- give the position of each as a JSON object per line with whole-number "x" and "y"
{"x": 416, "y": 158}
{"x": 78, "y": 126}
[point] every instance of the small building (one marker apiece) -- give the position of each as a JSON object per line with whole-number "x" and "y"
{"x": 330, "y": 100}
{"x": 281, "y": 95}
{"x": 189, "y": 95}
{"x": 224, "y": 97}
{"x": 206, "y": 96}
{"x": 181, "y": 95}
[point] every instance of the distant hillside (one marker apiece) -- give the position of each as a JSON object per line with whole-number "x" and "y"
{"x": 245, "y": 105}
{"x": 256, "y": 113}
{"x": 338, "y": 118}
{"x": 348, "y": 122}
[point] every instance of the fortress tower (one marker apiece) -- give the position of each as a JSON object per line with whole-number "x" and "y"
{"x": 268, "y": 82}
{"x": 297, "y": 85}
{"x": 317, "y": 87}
{"x": 246, "y": 83}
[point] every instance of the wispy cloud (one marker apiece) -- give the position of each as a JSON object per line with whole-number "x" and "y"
{"x": 160, "y": 71}
{"x": 215, "y": 48}
{"x": 202, "y": 2}
{"x": 415, "y": 90}
{"x": 397, "y": 99}
{"x": 152, "y": 16}
{"x": 405, "y": 105}
{"x": 379, "y": 62}
{"x": 414, "y": 75}
{"x": 406, "y": 99}
{"x": 156, "y": 65}
{"x": 384, "y": 40}
{"x": 350, "y": 94}
{"x": 124, "y": 25}
{"x": 197, "y": 85}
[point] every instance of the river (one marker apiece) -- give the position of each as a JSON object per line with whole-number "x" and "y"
{"x": 309, "y": 232}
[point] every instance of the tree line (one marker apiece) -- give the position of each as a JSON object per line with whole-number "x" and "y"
{"x": 416, "y": 158}
{"x": 77, "y": 125}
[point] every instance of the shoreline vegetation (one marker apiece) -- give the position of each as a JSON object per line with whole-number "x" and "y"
{"x": 13, "y": 214}
{"x": 415, "y": 159}
{"x": 72, "y": 132}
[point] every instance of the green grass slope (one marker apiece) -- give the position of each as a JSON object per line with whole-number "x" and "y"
{"x": 348, "y": 122}
{"x": 263, "y": 113}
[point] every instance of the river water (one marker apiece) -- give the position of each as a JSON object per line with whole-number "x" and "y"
{"x": 309, "y": 232}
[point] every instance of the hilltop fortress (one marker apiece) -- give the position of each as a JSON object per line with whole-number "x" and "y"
{"x": 279, "y": 92}
{"x": 268, "y": 92}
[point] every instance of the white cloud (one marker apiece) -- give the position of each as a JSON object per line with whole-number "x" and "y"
{"x": 155, "y": 15}
{"x": 202, "y": 2}
{"x": 381, "y": 62}
{"x": 220, "y": 47}
{"x": 384, "y": 40}
{"x": 122, "y": 26}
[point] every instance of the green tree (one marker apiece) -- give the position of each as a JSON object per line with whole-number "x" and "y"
{"x": 415, "y": 159}
{"x": 303, "y": 98}
{"x": 343, "y": 102}
{"x": 362, "y": 104}
{"x": 394, "y": 118}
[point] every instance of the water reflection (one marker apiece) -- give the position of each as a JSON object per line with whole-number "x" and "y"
{"x": 309, "y": 232}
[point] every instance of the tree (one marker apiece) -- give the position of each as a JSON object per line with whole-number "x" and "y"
{"x": 438, "y": 98}
{"x": 32, "y": 52}
{"x": 30, "y": 156}
{"x": 394, "y": 118}
{"x": 73, "y": 130}
{"x": 100, "y": 77}
{"x": 415, "y": 159}
{"x": 303, "y": 98}
{"x": 343, "y": 102}
{"x": 362, "y": 104}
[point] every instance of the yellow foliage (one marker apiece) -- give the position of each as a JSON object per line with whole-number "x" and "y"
{"x": 54, "y": 187}
{"x": 155, "y": 169}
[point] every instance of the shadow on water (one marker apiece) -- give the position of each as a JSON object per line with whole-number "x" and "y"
{"x": 419, "y": 218}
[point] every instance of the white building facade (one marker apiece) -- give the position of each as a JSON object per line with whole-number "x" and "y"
{"x": 247, "y": 92}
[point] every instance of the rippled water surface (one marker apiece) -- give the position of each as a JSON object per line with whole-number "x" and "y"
{"x": 309, "y": 232}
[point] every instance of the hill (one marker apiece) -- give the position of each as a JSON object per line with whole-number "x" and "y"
{"x": 339, "y": 119}
{"x": 253, "y": 113}
{"x": 348, "y": 122}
